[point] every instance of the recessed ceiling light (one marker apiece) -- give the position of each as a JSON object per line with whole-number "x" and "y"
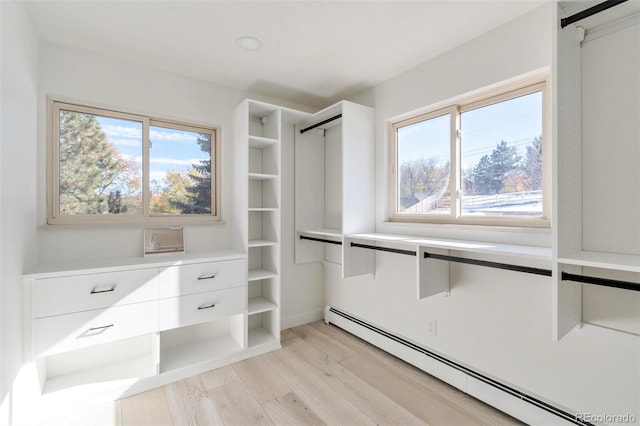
{"x": 249, "y": 43}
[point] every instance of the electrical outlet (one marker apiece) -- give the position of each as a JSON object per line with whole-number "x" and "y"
{"x": 432, "y": 327}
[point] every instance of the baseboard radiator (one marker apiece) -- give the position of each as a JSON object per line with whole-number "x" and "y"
{"x": 527, "y": 408}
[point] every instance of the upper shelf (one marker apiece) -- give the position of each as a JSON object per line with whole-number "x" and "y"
{"x": 324, "y": 232}
{"x": 261, "y": 142}
{"x": 530, "y": 252}
{"x": 620, "y": 262}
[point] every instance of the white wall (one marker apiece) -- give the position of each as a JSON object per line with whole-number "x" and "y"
{"x": 19, "y": 57}
{"x": 103, "y": 81}
{"x": 81, "y": 76}
{"x": 84, "y": 77}
{"x": 498, "y": 322}
{"x": 510, "y": 51}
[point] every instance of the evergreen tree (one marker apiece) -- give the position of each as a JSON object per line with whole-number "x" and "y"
{"x": 198, "y": 196}
{"x": 93, "y": 176}
{"x": 483, "y": 177}
{"x": 533, "y": 164}
{"x": 491, "y": 171}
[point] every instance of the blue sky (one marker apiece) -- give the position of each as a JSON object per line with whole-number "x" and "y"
{"x": 172, "y": 150}
{"x": 516, "y": 121}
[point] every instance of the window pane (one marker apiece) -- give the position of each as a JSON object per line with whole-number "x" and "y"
{"x": 100, "y": 169}
{"x": 180, "y": 171}
{"x": 501, "y": 153}
{"x": 424, "y": 151}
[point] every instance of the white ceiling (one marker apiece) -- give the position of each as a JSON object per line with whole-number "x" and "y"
{"x": 314, "y": 52}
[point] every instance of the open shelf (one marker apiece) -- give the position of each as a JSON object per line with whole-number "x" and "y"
{"x": 200, "y": 343}
{"x": 116, "y": 375}
{"x": 323, "y": 232}
{"x": 531, "y": 252}
{"x": 262, "y": 243}
{"x": 260, "y": 304}
{"x": 261, "y": 274}
{"x": 104, "y": 366}
{"x": 262, "y": 176}
{"x": 263, "y": 209}
{"x": 261, "y": 336}
{"x": 264, "y": 327}
{"x": 198, "y": 352}
{"x": 622, "y": 262}
{"x": 261, "y": 142}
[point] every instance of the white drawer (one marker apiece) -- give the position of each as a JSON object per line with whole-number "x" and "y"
{"x": 64, "y": 295}
{"x": 62, "y": 333}
{"x": 196, "y": 308}
{"x": 200, "y": 277}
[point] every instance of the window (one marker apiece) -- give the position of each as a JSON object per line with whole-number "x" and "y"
{"x": 479, "y": 162}
{"x": 115, "y": 167}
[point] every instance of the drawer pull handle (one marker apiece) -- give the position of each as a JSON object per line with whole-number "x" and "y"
{"x": 96, "y": 291}
{"x": 207, "y": 277}
{"x": 212, "y": 305}
{"x": 101, "y": 328}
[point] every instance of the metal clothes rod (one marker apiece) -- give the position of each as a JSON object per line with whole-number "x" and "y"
{"x": 590, "y": 11}
{"x": 498, "y": 265}
{"x": 626, "y": 285}
{"x": 387, "y": 249}
{"x": 320, "y": 240}
{"x": 328, "y": 120}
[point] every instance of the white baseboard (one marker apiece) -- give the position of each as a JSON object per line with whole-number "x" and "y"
{"x": 301, "y": 319}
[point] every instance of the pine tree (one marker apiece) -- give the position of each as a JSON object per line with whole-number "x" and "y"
{"x": 533, "y": 164}
{"x": 491, "y": 171}
{"x": 199, "y": 192}
{"x": 93, "y": 176}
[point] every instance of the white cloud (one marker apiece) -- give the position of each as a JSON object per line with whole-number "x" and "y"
{"x": 135, "y": 158}
{"x": 125, "y": 132}
{"x": 177, "y": 136}
{"x": 157, "y": 175}
{"x": 126, "y": 142}
{"x": 175, "y": 161}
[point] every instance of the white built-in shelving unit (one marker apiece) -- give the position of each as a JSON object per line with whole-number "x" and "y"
{"x": 260, "y": 131}
{"x": 99, "y": 330}
{"x": 597, "y": 155}
{"x": 334, "y": 179}
{"x": 257, "y": 147}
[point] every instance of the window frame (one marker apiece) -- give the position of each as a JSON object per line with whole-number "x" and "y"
{"x": 470, "y": 103}
{"x": 53, "y": 169}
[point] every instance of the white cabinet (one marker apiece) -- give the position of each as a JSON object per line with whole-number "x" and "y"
{"x": 335, "y": 180}
{"x": 111, "y": 324}
{"x": 597, "y": 200}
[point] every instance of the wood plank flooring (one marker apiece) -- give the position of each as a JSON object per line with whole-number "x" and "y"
{"x": 321, "y": 376}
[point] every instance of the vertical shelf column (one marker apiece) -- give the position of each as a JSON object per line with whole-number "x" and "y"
{"x": 263, "y": 224}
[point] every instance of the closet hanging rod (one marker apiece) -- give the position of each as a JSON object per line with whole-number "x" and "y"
{"x": 328, "y": 120}
{"x": 589, "y": 12}
{"x": 626, "y": 285}
{"x": 320, "y": 240}
{"x": 498, "y": 265}
{"x": 387, "y": 249}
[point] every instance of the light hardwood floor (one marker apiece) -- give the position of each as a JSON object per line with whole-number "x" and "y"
{"x": 321, "y": 376}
